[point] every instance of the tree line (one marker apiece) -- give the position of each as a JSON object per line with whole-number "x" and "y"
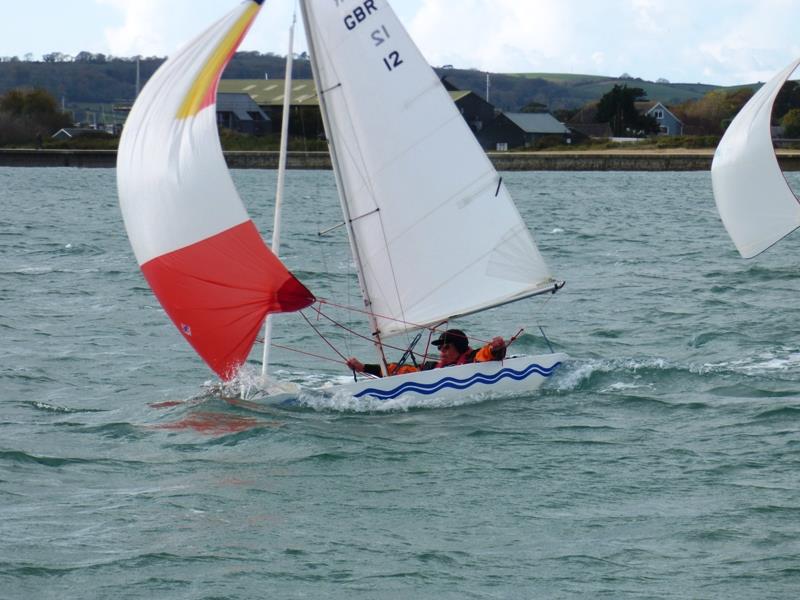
{"x": 707, "y": 116}
{"x": 29, "y": 106}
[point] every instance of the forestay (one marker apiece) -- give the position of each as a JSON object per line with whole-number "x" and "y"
{"x": 753, "y": 198}
{"x": 192, "y": 237}
{"x": 432, "y": 226}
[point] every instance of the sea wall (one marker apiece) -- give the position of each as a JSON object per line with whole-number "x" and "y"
{"x": 611, "y": 160}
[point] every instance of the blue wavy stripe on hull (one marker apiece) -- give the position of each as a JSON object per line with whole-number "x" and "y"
{"x": 458, "y": 384}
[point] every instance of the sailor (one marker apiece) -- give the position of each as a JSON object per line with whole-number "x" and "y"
{"x": 454, "y": 349}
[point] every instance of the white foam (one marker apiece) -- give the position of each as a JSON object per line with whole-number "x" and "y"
{"x": 786, "y": 360}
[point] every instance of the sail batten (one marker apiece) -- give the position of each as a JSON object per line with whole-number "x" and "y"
{"x": 405, "y": 153}
{"x": 755, "y": 203}
{"x": 197, "y": 247}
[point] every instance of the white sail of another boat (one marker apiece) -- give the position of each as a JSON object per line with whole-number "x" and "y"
{"x": 434, "y": 231}
{"x": 756, "y": 204}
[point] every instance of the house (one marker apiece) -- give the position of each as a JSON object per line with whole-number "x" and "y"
{"x": 668, "y": 123}
{"x": 304, "y": 116}
{"x": 521, "y": 130}
{"x": 239, "y": 113}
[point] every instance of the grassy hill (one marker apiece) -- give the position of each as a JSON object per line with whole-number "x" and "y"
{"x": 594, "y": 86}
{"x": 98, "y": 83}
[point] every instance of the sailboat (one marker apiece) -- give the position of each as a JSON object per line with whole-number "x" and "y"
{"x": 754, "y": 200}
{"x": 410, "y": 176}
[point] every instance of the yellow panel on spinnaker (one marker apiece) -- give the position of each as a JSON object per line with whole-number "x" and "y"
{"x": 203, "y": 91}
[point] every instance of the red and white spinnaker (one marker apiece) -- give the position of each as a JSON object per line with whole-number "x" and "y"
{"x": 197, "y": 247}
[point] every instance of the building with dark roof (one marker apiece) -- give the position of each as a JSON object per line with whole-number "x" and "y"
{"x": 522, "y": 130}
{"x": 240, "y": 113}
{"x": 305, "y": 119}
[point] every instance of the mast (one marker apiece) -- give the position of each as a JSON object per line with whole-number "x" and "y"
{"x": 276, "y": 229}
{"x": 312, "y": 50}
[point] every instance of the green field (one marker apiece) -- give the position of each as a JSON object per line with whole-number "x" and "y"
{"x": 594, "y": 86}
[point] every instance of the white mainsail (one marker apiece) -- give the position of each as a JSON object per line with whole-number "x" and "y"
{"x": 434, "y": 231}
{"x": 756, "y": 204}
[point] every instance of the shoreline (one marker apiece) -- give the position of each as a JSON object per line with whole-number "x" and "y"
{"x": 587, "y": 160}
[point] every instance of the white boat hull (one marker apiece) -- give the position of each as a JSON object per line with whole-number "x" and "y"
{"x": 511, "y": 376}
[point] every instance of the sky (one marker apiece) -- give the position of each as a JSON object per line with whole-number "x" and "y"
{"x": 721, "y": 42}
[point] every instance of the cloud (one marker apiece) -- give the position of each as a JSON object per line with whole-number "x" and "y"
{"x": 749, "y": 44}
{"x": 143, "y": 29}
{"x": 489, "y": 34}
{"x": 724, "y": 42}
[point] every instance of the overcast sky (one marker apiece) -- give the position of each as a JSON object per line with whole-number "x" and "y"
{"x": 724, "y": 42}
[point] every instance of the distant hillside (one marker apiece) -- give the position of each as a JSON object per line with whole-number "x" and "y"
{"x": 594, "y": 86}
{"x": 96, "y": 82}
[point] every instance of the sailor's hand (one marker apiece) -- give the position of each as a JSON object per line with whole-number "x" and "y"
{"x": 355, "y": 364}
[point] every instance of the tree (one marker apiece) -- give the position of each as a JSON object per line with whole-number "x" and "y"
{"x": 24, "y": 115}
{"x": 787, "y": 99}
{"x": 617, "y": 108}
{"x": 712, "y": 113}
{"x": 534, "y": 107}
{"x": 791, "y": 123}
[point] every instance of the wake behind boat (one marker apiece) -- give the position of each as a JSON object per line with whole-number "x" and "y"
{"x": 411, "y": 177}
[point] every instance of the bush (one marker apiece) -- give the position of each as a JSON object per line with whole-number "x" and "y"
{"x": 791, "y": 123}
{"x": 26, "y": 115}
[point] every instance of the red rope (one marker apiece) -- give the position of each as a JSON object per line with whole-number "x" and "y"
{"x": 318, "y": 311}
{"x": 353, "y": 332}
{"x": 338, "y": 362}
{"x": 367, "y": 312}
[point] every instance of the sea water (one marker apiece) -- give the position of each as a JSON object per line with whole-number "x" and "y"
{"x": 661, "y": 461}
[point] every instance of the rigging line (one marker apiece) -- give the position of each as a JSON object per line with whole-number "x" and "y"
{"x": 324, "y": 339}
{"x": 354, "y": 332}
{"x": 330, "y": 89}
{"x": 431, "y": 328}
{"x": 550, "y": 290}
{"x": 371, "y": 313}
{"x": 428, "y": 343}
{"x": 352, "y": 220}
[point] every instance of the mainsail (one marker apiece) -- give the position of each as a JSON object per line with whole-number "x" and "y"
{"x": 756, "y": 204}
{"x": 192, "y": 237}
{"x": 434, "y": 231}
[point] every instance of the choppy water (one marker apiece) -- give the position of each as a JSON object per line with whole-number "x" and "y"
{"x": 662, "y": 462}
